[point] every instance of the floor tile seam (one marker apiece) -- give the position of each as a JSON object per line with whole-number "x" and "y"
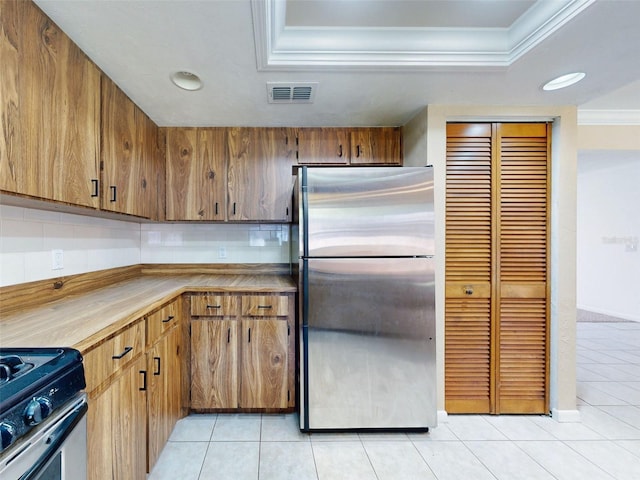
{"x": 618, "y": 418}
{"x": 373, "y": 468}
{"x": 313, "y": 455}
{"x": 422, "y": 457}
{"x": 486, "y": 467}
{"x": 213, "y": 429}
{"x": 635, "y": 453}
{"x": 533, "y": 458}
{"x": 587, "y": 459}
{"x": 200, "y": 472}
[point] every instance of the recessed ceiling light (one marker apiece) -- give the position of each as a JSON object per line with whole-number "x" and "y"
{"x": 186, "y": 80}
{"x": 564, "y": 81}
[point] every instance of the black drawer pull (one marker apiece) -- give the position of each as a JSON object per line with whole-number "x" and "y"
{"x": 143, "y": 388}
{"x": 113, "y": 193}
{"x": 216, "y": 208}
{"x": 249, "y": 334}
{"x": 94, "y": 184}
{"x": 157, "y": 360}
{"x": 228, "y": 335}
{"x": 265, "y": 306}
{"x": 214, "y": 306}
{"x": 168, "y": 319}
{"x": 126, "y": 350}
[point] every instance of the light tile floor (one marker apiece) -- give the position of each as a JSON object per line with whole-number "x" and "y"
{"x": 604, "y": 445}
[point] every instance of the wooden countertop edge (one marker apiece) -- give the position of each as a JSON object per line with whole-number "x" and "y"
{"x": 168, "y": 287}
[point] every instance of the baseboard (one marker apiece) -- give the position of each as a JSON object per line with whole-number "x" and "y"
{"x": 566, "y": 416}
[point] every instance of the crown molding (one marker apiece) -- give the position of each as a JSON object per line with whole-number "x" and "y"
{"x": 608, "y": 117}
{"x": 279, "y": 47}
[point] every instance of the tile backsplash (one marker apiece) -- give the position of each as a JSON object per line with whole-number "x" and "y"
{"x": 28, "y": 238}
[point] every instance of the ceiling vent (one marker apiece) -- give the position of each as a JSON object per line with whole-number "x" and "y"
{"x": 283, "y": 92}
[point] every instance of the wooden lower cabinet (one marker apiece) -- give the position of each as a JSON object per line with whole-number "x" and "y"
{"x": 134, "y": 383}
{"x": 163, "y": 392}
{"x": 263, "y": 377}
{"x": 117, "y": 428}
{"x": 241, "y": 361}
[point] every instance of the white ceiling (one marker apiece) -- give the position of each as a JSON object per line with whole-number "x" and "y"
{"x": 377, "y": 62}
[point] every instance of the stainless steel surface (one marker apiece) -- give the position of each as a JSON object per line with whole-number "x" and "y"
{"x": 369, "y": 211}
{"x": 371, "y": 343}
{"x": 56, "y": 449}
{"x": 367, "y": 299}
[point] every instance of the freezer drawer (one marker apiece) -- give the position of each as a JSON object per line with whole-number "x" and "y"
{"x": 368, "y": 344}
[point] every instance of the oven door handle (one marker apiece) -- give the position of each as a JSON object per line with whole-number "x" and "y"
{"x": 55, "y": 441}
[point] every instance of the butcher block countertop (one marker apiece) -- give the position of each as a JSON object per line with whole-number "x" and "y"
{"x": 82, "y": 320}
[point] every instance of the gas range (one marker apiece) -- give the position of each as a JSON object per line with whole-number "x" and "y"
{"x": 34, "y": 382}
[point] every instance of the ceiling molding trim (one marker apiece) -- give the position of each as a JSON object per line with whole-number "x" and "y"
{"x": 608, "y": 117}
{"x": 279, "y": 47}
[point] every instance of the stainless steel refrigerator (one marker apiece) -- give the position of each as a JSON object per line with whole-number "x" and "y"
{"x": 366, "y": 270}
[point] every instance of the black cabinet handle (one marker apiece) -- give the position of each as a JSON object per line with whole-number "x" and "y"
{"x": 214, "y": 306}
{"x": 126, "y": 350}
{"x": 168, "y": 319}
{"x": 113, "y": 192}
{"x": 265, "y": 306}
{"x": 340, "y": 152}
{"x": 249, "y": 334}
{"x": 234, "y": 208}
{"x": 228, "y": 335}
{"x": 157, "y": 360}
{"x": 94, "y": 185}
{"x": 143, "y": 388}
{"x": 216, "y": 208}
{"x": 358, "y": 151}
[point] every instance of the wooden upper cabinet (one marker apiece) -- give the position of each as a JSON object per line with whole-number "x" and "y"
{"x": 196, "y": 173}
{"x": 323, "y": 146}
{"x": 130, "y": 155}
{"x": 260, "y": 180}
{"x": 50, "y": 97}
{"x": 376, "y": 146}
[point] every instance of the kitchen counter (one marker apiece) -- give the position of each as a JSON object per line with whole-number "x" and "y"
{"x": 83, "y": 320}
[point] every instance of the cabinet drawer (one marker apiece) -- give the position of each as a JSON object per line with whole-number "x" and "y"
{"x": 112, "y": 355}
{"x": 214, "y": 305}
{"x": 161, "y": 321}
{"x": 265, "y": 306}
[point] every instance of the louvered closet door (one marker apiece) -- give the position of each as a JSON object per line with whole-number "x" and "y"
{"x": 496, "y": 336}
{"x": 522, "y": 268}
{"x": 468, "y": 369}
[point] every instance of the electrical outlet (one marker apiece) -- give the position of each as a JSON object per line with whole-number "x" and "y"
{"x": 57, "y": 259}
{"x": 222, "y": 252}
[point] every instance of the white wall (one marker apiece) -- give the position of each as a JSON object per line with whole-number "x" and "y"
{"x": 608, "y": 227}
{"x": 27, "y": 237}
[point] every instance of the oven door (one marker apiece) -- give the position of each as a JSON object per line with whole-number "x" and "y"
{"x": 57, "y": 450}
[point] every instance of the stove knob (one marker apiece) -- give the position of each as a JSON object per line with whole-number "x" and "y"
{"x": 7, "y": 434}
{"x": 37, "y": 410}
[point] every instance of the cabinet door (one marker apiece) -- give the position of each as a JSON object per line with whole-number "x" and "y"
{"x": 163, "y": 398}
{"x": 117, "y": 428}
{"x": 264, "y": 364}
{"x": 50, "y": 95}
{"x": 375, "y": 146}
{"x": 196, "y": 173}
{"x": 128, "y": 183}
{"x": 214, "y": 364}
{"x": 151, "y": 168}
{"x": 323, "y": 146}
{"x": 260, "y": 180}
